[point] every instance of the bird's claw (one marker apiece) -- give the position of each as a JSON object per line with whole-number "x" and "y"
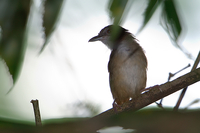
{"x": 116, "y": 106}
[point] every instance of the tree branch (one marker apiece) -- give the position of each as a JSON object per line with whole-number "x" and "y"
{"x": 36, "y": 109}
{"x": 102, "y": 120}
{"x": 185, "y": 89}
{"x": 155, "y": 93}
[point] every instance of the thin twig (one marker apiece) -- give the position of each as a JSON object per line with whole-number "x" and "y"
{"x": 169, "y": 77}
{"x": 38, "y": 121}
{"x": 173, "y": 74}
{"x": 192, "y": 103}
{"x": 185, "y": 89}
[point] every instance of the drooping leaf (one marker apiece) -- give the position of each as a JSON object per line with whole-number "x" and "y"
{"x": 150, "y": 10}
{"x": 50, "y": 19}
{"x": 116, "y": 8}
{"x": 13, "y": 20}
{"x": 171, "y": 20}
{"x": 117, "y": 11}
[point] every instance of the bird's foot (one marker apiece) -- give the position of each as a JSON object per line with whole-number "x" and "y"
{"x": 116, "y": 106}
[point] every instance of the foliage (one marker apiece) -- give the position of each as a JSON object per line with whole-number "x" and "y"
{"x": 51, "y": 15}
{"x": 14, "y": 18}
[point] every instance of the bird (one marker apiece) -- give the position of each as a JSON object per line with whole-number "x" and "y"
{"x": 127, "y": 65}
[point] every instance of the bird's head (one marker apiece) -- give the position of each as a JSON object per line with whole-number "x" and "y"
{"x": 109, "y": 35}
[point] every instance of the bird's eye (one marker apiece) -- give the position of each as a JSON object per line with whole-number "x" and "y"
{"x": 108, "y": 31}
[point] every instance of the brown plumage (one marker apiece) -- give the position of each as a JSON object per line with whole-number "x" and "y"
{"x": 127, "y": 65}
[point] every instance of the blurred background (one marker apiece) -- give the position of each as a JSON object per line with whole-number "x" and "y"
{"x": 69, "y": 76}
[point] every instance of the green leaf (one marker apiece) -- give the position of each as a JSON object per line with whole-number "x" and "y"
{"x": 117, "y": 12}
{"x": 13, "y": 20}
{"x": 151, "y": 8}
{"x": 50, "y": 19}
{"x": 170, "y": 20}
{"x": 117, "y": 8}
{"x": 171, "y": 23}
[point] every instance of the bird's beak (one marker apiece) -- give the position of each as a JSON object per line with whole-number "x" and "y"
{"x": 96, "y": 38}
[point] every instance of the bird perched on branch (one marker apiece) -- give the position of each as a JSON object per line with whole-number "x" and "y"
{"x": 127, "y": 65}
